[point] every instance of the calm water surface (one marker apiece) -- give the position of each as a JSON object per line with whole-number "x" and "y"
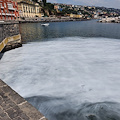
{"x": 32, "y": 32}
{"x": 68, "y": 70}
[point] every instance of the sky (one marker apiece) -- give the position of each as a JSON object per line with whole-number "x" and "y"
{"x": 101, "y": 3}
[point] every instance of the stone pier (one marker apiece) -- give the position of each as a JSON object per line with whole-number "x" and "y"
{"x": 14, "y": 107}
{"x": 10, "y": 37}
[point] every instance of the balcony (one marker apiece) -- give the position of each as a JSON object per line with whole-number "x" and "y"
{"x": 2, "y": 7}
{"x": 3, "y": 14}
{"x": 11, "y": 9}
{"x": 8, "y": 14}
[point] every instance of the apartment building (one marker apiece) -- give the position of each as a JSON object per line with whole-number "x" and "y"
{"x": 29, "y": 9}
{"x": 8, "y": 10}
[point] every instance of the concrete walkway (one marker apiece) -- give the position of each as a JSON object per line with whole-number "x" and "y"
{"x": 14, "y": 107}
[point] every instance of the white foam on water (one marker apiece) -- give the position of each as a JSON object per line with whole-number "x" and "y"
{"x": 82, "y": 69}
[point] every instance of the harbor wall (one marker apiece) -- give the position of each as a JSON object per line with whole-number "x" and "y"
{"x": 10, "y": 37}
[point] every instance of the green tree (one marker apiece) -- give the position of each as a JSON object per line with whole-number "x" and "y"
{"x": 44, "y": 2}
{"x": 34, "y": 0}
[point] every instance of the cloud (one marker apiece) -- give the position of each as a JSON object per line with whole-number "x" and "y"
{"x": 89, "y": 2}
{"x": 53, "y": 1}
{"x": 106, "y": 3}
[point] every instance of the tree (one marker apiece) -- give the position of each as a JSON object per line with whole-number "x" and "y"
{"x": 50, "y": 8}
{"x": 44, "y": 2}
{"x": 35, "y": 0}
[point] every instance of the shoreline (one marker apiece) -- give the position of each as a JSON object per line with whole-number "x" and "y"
{"x": 52, "y": 20}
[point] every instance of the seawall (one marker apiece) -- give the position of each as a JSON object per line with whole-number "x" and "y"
{"x": 10, "y": 37}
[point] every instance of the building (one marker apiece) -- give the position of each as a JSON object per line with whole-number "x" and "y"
{"x": 56, "y": 7}
{"x": 29, "y": 9}
{"x": 76, "y": 16}
{"x": 8, "y": 10}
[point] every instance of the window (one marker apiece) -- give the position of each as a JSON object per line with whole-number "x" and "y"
{"x": 5, "y": 11}
{"x": 6, "y": 17}
{"x": 26, "y": 9}
{"x": 5, "y": 5}
{"x": 10, "y": 6}
{"x": 0, "y": 4}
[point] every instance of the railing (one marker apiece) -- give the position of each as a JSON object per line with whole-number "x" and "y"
{"x": 2, "y": 7}
{"x": 16, "y": 38}
{"x": 8, "y": 14}
{"x": 11, "y": 8}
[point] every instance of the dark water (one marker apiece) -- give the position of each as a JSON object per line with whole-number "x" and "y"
{"x": 86, "y": 111}
{"x": 68, "y": 70}
{"x": 32, "y": 32}
{"x": 1, "y": 54}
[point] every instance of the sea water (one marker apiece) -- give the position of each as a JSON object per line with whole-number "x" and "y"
{"x": 67, "y": 78}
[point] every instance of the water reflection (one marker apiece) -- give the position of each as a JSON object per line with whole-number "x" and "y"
{"x": 32, "y": 32}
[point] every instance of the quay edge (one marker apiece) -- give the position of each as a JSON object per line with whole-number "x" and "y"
{"x": 14, "y": 107}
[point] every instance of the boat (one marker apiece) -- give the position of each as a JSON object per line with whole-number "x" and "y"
{"x": 45, "y": 24}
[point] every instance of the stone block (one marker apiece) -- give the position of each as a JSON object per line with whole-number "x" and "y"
{"x": 13, "y": 95}
{"x": 30, "y": 111}
{"x": 12, "y": 113}
{"x": 18, "y": 118}
{"x": 5, "y": 118}
{"x": 3, "y": 114}
{"x": 2, "y": 83}
{"x": 16, "y": 98}
{"x": 24, "y": 116}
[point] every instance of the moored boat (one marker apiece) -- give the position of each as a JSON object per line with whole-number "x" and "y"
{"x": 45, "y": 24}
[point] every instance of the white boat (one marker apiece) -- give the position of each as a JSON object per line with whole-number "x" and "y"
{"x": 45, "y": 24}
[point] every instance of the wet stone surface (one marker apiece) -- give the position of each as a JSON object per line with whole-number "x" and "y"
{"x": 14, "y": 107}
